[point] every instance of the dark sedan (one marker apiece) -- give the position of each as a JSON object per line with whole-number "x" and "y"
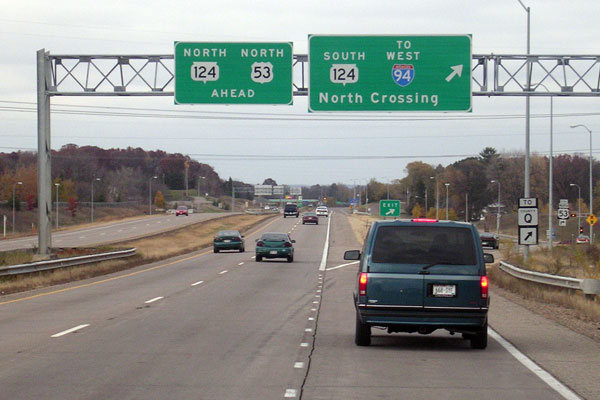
{"x": 310, "y": 218}
{"x": 275, "y": 245}
{"x": 228, "y": 240}
{"x": 489, "y": 239}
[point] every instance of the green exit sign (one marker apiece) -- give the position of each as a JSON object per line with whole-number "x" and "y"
{"x": 233, "y": 73}
{"x": 389, "y": 208}
{"x": 389, "y": 73}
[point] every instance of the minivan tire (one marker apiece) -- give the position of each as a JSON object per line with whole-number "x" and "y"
{"x": 362, "y": 335}
{"x": 290, "y": 259}
{"x": 258, "y": 258}
{"x": 480, "y": 339}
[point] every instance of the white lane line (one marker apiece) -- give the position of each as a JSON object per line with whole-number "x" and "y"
{"x": 103, "y": 233}
{"x": 242, "y": 263}
{"x": 342, "y": 266}
{"x": 197, "y": 283}
{"x": 533, "y": 367}
{"x": 120, "y": 230}
{"x": 81, "y": 237}
{"x": 290, "y": 393}
{"x": 308, "y": 330}
{"x": 154, "y": 299}
{"x": 71, "y": 330}
{"x": 313, "y": 309}
{"x": 223, "y": 272}
{"x": 299, "y": 365}
{"x": 311, "y": 319}
{"x": 253, "y": 257}
{"x": 303, "y": 344}
{"x": 326, "y": 247}
{"x": 147, "y": 224}
{"x": 315, "y": 302}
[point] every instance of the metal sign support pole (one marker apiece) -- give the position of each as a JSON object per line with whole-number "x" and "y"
{"x": 44, "y": 172}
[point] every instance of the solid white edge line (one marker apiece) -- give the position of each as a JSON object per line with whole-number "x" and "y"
{"x": 326, "y": 247}
{"x": 70, "y": 330}
{"x": 342, "y": 266}
{"x": 533, "y": 367}
{"x": 197, "y": 283}
{"x": 154, "y": 299}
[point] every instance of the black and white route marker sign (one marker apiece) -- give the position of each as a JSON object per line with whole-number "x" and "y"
{"x": 528, "y": 221}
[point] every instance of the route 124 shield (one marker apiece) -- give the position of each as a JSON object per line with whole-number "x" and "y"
{"x": 403, "y": 74}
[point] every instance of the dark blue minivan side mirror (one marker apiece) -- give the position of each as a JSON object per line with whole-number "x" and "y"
{"x": 352, "y": 255}
{"x": 488, "y": 258}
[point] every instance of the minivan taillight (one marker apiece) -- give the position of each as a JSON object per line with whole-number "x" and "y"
{"x": 362, "y": 284}
{"x": 484, "y": 287}
{"x": 260, "y": 243}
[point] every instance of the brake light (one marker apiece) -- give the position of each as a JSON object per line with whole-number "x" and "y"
{"x": 362, "y": 284}
{"x": 484, "y": 287}
{"x": 424, "y": 220}
{"x": 260, "y": 243}
{"x": 287, "y": 244}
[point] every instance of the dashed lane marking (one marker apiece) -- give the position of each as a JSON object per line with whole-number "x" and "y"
{"x": 197, "y": 283}
{"x": 70, "y": 330}
{"x": 154, "y": 299}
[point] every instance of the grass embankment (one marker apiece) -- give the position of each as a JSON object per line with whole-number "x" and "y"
{"x": 577, "y": 261}
{"x": 150, "y": 249}
{"x": 564, "y": 261}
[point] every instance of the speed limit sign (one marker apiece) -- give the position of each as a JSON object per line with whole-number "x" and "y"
{"x": 563, "y": 213}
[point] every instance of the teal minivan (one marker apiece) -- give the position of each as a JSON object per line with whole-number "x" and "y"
{"x": 421, "y": 275}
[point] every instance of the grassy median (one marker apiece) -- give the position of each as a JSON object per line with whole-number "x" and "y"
{"x": 149, "y": 249}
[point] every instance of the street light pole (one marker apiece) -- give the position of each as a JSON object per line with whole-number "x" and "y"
{"x": 92, "y": 212}
{"x": 14, "y": 189}
{"x": 447, "y": 185}
{"x": 550, "y": 209}
{"x": 591, "y": 188}
{"x": 57, "y": 185}
{"x": 579, "y": 208}
{"x": 497, "y": 209}
{"x": 527, "y": 112}
{"x": 150, "y": 194}
{"x": 437, "y": 197}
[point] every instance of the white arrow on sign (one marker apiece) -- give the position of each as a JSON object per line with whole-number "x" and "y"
{"x": 456, "y": 70}
{"x": 390, "y": 211}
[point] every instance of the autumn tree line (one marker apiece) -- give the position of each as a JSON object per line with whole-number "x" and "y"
{"x": 125, "y": 174}
{"x": 118, "y": 175}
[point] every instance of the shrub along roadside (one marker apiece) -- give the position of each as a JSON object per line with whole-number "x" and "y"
{"x": 149, "y": 249}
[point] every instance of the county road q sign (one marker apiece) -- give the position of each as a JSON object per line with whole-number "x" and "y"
{"x": 389, "y": 73}
{"x": 233, "y": 73}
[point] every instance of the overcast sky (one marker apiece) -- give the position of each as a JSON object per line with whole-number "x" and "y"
{"x": 152, "y": 26}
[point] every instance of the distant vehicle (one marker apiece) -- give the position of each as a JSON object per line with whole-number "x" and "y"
{"x": 228, "y": 240}
{"x": 489, "y": 239}
{"x": 322, "y": 211}
{"x": 310, "y": 218}
{"x": 291, "y": 210}
{"x": 582, "y": 239}
{"x": 419, "y": 276}
{"x": 275, "y": 245}
{"x": 182, "y": 210}
{"x": 267, "y": 207}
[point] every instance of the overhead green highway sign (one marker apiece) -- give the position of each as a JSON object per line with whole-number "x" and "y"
{"x": 233, "y": 73}
{"x": 389, "y": 73}
{"x": 389, "y": 208}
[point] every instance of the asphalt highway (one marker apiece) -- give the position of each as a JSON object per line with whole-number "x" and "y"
{"x": 222, "y": 326}
{"x": 104, "y": 233}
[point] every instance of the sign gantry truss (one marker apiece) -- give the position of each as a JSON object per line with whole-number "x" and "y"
{"x": 153, "y": 75}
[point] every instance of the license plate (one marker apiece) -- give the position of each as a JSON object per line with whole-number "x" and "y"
{"x": 273, "y": 252}
{"x": 227, "y": 241}
{"x": 444, "y": 290}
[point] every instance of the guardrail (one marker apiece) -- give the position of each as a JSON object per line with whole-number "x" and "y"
{"x": 260, "y": 211}
{"x": 590, "y": 287}
{"x": 64, "y": 262}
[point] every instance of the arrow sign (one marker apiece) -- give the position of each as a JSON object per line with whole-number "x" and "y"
{"x": 456, "y": 70}
{"x": 391, "y": 211}
{"x": 528, "y": 235}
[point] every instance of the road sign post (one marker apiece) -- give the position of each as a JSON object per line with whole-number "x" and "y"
{"x": 233, "y": 73}
{"x": 389, "y": 208}
{"x": 389, "y": 73}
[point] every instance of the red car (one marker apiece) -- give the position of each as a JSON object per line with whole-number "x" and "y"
{"x": 310, "y": 218}
{"x": 181, "y": 210}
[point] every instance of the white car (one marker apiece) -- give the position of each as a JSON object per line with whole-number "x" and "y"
{"x": 322, "y": 211}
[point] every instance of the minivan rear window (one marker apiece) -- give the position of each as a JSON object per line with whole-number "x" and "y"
{"x": 424, "y": 245}
{"x": 291, "y": 207}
